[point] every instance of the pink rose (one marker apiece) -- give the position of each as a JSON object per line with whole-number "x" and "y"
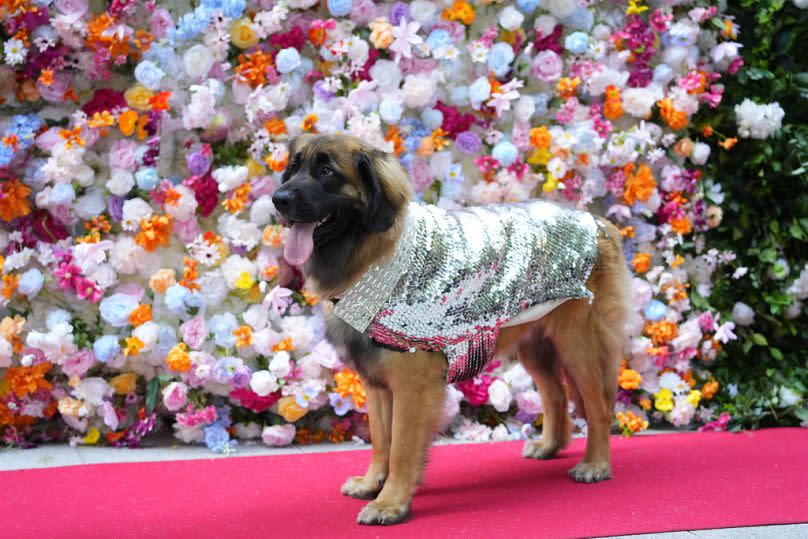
{"x": 262, "y": 185}
{"x": 187, "y": 231}
{"x": 122, "y": 155}
{"x": 72, "y": 7}
{"x": 194, "y": 332}
{"x": 421, "y": 175}
{"x": 520, "y": 135}
{"x": 174, "y": 396}
{"x": 79, "y": 363}
{"x": 161, "y": 22}
{"x": 547, "y": 65}
{"x": 55, "y": 92}
{"x": 363, "y": 11}
{"x": 131, "y": 289}
{"x": 278, "y": 435}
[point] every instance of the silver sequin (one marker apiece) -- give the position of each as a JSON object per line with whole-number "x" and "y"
{"x": 457, "y": 276}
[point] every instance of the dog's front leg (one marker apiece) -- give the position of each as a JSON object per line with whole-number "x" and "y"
{"x": 417, "y": 383}
{"x": 380, "y": 418}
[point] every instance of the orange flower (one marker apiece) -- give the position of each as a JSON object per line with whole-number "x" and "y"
{"x": 709, "y": 389}
{"x": 309, "y": 124}
{"x": 349, "y": 385}
{"x": 238, "y": 200}
{"x": 127, "y": 121}
{"x": 243, "y": 336}
{"x": 681, "y": 225}
{"x": 684, "y": 147}
{"x": 645, "y": 404}
{"x": 275, "y": 127}
{"x": 25, "y": 380}
{"x": 661, "y": 332}
{"x": 540, "y": 137}
{"x": 566, "y": 87}
{"x": 630, "y": 423}
{"x": 133, "y": 346}
{"x": 707, "y": 131}
{"x": 394, "y": 135}
{"x": 310, "y": 298}
{"x": 639, "y": 186}
{"x": 161, "y": 280}
{"x": 676, "y": 119}
{"x": 160, "y": 101}
{"x": 252, "y": 67}
{"x": 460, "y": 11}
{"x": 46, "y": 77}
{"x": 124, "y": 383}
{"x": 154, "y": 232}
{"x": 728, "y": 143}
{"x": 14, "y": 200}
{"x": 270, "y": 272}
{"x": 189, "y": 274}
{"x": 629, "y": 379}
{"x": 178, "y": 359}
{"x": 641, "y": 262}
{"x": 274, "y": 235}
{"x": 72, "y": 136}
{"x": 290, "y": 410}
{"x": 613, "y": 105}
{"x": 628, "y": 232}
{"x": 284, "y": 344}
{"x": 10, "y": 283}
{"x": 141, "y": 314}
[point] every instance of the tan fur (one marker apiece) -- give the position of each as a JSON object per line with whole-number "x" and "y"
{"x": 578, "y": 341}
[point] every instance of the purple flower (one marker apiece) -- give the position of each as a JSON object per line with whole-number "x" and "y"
{"x": 468, "y": 143}
{"x": 321, "y": 91}
{"x": 115, "y": 208}
{"x": 341, "y": 405}
{"x": 399, "y": 11}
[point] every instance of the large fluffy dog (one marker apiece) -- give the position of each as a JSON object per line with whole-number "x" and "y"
{"x": 346, "y": 203}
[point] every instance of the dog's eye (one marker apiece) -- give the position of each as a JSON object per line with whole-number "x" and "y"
{"x": 326, "y": 171}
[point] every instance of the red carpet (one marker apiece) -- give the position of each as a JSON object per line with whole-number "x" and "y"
{"x": 661, "y": 483}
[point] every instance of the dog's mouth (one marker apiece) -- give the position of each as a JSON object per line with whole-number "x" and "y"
{"x": 300, "y": 242}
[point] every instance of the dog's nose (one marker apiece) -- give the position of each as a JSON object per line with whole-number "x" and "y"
{"x": 283, "y": 200}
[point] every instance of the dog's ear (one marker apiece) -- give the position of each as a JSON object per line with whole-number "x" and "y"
{"x": 379, "y": 211}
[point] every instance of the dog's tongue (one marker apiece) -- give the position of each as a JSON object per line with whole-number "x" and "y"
{"x": 299, "y": 243}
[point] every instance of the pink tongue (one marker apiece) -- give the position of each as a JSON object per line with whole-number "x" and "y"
{"x": 299, "y": 244}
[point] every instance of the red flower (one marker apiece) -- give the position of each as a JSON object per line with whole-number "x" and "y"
{"x": 251, "y": 400}
{"x": 104, "y": 99}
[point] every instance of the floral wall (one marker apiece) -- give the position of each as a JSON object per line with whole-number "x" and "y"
{"x": 143, "y": 282}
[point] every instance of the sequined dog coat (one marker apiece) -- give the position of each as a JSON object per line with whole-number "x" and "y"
{"x": 456, "y": 277}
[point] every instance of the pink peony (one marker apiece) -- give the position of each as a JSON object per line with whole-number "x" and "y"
{"x": 278, "y": 435}
{"x": 174, "y": 396}
{"x": 547, "y": 65}
{"x": 194, "y": 332}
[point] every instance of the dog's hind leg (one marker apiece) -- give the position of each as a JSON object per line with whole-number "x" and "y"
{"x": 417, "y": 382}
{"x": 380, "y": 419}
{"x": 540, "y": 359}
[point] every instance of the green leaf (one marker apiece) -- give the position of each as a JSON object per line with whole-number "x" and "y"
{"x": 801, "y": 413}
{"x": 759, "y": 339}
{"x": 151, "y": 394}
{"x": 776, "y": 353}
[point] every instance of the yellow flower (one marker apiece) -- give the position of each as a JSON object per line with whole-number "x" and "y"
{"x": 92, "y": 437}
{"x": 69, "y": 406}
{"x": 694, "y": 397}
{"x": 242, "y": 33}
{"x": 133, "y": 346}
{"x": 290, "y": 410}
{"x": 244, "y": 281}
{"x": 125, "y": 383}
{"x": 551, "y": 184}
{"x": 178, "y": 359}
{"x": 634, "y": 7}
{"x": 629, "y": 379}
{"x": 663, "y": 401}
{"x": 539, "y": 157}
{"x": 138, "y": 97}
{"x": 630, "y": 423}
{"x": 254, "y": 168}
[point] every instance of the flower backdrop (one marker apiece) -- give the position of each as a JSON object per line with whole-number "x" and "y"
{"x": 143, "y": 281}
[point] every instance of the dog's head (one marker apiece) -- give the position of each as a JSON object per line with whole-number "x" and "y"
{"x": 336, "y": 186}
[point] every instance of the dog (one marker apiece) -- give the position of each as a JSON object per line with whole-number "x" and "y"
{"x": 347, "y": 204}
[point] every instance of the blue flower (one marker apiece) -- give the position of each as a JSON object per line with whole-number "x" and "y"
{"x": 227, "y": 368}
{"x": 432, "y": 118}
{"x": 438, "y": 38}
{"x": 527, "y": 6}
{"x": 341, "y": 405}
{"x": 577, "y": 42}
{"x": 218, "y": 439}
{"x": 175, "y": 298}
{"x": 222, "y": 326}
{"x": 149, "y": 75}
{"x": 62, "y": 194}
{"x": 106, "y": 348}
{"x": 287, "y": 60}
{"x": 655, "y": 310}
{"x": 500, "y": 58}
{"x": 339, "y": 8}
{"x": 166, "y": 339}
{"x": 147, "y": 178}
{"x": 115, "y": 309}
{"x": 540, "y": 100}
{"x": 505, "y": 152}
{"x": 30, "y": 283}
{"x": 460, "y": 96}
{"x": 390, "y": 110}
{"x": 479, "y": 91}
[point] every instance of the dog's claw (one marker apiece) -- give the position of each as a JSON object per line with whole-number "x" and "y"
{"x": 591, "y": 472}
{"x": 536, "y": 449}
{"x": 384, "y": 514}
{"x": 355, "y": 487}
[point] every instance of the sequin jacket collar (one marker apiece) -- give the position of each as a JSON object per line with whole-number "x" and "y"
{"x": 456, "y": 277}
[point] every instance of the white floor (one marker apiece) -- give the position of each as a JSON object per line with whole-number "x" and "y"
{"x": 165, "y": 449}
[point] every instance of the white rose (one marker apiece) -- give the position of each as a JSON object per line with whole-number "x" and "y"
{"x": 263, "y": 383}
{"x": 743, "y": 314}
{"x": 386, "y": 73}
{"x": 499, "y": 395}
{"x": 638, "y": 101}
{"x": 235, "y": 266}
{"x": 212, "y": 287}
{"x": 127, "y": 256}
{"x": 560, "y": 8}
{"x": 518, "y": 378}
{"x": 529, "y": 402}
{"x": 185, "y": 207}
{"x": 545, "y": 24}
{"x": 423, "y": 11}
{"x": 262, "y": 210}
{"x": 121, "y": 182}
{"x": 104, "y": 275}
{"x": 197, "y": 61}
{"x": 281, "y": 364}
{"x": 418, "y": 91}
{"x": 230, "y": 177}
{"x": 511, "y": 18}
{"x": 358, "y": 51}
{"x": 524, "y": 108}
{"x": 701, "y": 152}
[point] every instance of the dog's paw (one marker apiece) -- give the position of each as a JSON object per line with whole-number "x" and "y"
{"x": 539, "y": 449}
{"x": 383, "y": 513}
{"x": 356, "y": 487}
{"x": 591, "y": 472}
